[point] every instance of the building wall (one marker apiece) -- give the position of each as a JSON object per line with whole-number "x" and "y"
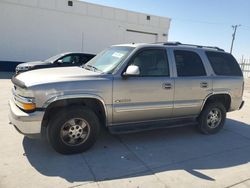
{"x": 36, "y": 29}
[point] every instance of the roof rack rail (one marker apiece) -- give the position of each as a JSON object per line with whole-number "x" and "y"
{"x": 168, "y": 43}
{"x": 191, "y": 45}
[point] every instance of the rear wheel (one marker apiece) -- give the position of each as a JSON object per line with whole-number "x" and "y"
{"x": 212, "y": 118}
{"x": 73, "y": 130}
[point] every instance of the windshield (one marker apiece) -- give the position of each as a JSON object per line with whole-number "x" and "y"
{"x": 109, "y": 59}
{"x": 54, "y": 58}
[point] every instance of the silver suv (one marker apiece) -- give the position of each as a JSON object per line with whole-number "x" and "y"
{"x": 127, "y": 88}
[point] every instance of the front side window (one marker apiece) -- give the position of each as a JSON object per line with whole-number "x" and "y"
{"x": 224, "y": 64}
{"x": 152, "y": 62}
{"x": 70, "y": 59}
{"x": 188, "y": 64}
{"x": 67, "y": 59}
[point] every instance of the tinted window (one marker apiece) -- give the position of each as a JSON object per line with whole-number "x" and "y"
{"x": 224, "y": 64}
{"x": 188, "y": 63}
{"x": 71, "y": 59}
{"x": 75, "y": 59}
{"x": 85, "y": 58}
{"x": 152, "y": 63}
{"x": 67, "y": 59}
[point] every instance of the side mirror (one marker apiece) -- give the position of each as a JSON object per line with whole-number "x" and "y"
{"x": 132, "y": 70}
{"x": 60, "y": 61}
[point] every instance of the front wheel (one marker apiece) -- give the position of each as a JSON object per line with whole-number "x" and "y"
{"x": 212, "y": 118}
{"x": 73, "y": 130}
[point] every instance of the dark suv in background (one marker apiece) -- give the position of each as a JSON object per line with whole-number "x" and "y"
{"x": 60, "y": 60}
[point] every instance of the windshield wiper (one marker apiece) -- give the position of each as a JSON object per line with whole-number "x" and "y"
{"x": 91, "y": 67}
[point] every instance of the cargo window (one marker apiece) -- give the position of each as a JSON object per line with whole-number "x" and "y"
{"x": 188, "y": 64}
{"x": 224, "y": 64}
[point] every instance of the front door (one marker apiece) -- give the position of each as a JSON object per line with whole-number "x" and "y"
{"x": 148, "y": 96}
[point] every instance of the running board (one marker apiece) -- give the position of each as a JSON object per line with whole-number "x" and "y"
{"x": 146, "y": 126}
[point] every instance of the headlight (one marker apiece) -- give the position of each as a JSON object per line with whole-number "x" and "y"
{"x": 25, "y": 103}
{"x": 27, "y": 106}
{"x": 23, "y": 68}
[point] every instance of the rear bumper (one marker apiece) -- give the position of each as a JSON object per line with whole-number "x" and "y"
{"x": 28, "y": 124}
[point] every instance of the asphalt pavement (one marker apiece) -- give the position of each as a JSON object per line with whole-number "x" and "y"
{"x": 178, "y": 157}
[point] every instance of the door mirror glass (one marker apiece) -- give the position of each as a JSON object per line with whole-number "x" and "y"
{"x": 132, "y": 70}
{"x": 60, "y": 61}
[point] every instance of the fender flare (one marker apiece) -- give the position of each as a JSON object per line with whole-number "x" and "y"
{"x": 214, "y": 93}
{"x": 78, "y": 96}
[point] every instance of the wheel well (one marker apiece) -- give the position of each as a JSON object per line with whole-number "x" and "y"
{"x": 93, "y": 104}
{"x": 225, "y": 99}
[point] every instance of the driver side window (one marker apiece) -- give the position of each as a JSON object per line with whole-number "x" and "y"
{"x": 70, "y": 59}
{"x": 67, "y": 59}
{"x": 152, "y": 62}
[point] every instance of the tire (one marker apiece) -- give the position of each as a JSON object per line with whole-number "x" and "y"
{"x": 207, "y": 123}
{"x": 73, "y": 130}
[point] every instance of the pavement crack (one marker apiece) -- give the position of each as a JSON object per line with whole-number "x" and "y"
{"x": 74, "y": 186}
{"x": 90, "y": 169}
{"x": 141, "y": 161}
{"x": 238, "y": 183}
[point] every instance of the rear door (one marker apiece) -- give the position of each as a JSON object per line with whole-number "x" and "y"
{"x": 192, "y": 85}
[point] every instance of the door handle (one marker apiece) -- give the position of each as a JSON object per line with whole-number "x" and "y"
{"x": 203, "y": 84}
{"x": 166, "y": 85}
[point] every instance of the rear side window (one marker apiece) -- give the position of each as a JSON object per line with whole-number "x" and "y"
{"x": 86, "y": 58}
{"x": 188, "y": 64}
{"x": 224, "y": 64}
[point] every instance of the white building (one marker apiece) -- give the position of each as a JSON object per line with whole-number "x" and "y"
{"x": 37, "y": 29}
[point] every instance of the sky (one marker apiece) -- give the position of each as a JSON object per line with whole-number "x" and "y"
{"x": 204, "y": 22}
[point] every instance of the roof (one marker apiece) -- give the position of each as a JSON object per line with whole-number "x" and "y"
{"x": 76, "y": 52}
{"x": 171, "y": 44}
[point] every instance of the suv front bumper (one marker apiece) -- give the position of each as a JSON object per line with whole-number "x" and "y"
{"x": 28, "y": 124}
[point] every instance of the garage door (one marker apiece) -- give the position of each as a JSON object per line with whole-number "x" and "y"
{"x": 133, "y": 36}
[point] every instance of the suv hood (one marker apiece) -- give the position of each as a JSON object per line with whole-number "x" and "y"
{"x": 52, "y": 75}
